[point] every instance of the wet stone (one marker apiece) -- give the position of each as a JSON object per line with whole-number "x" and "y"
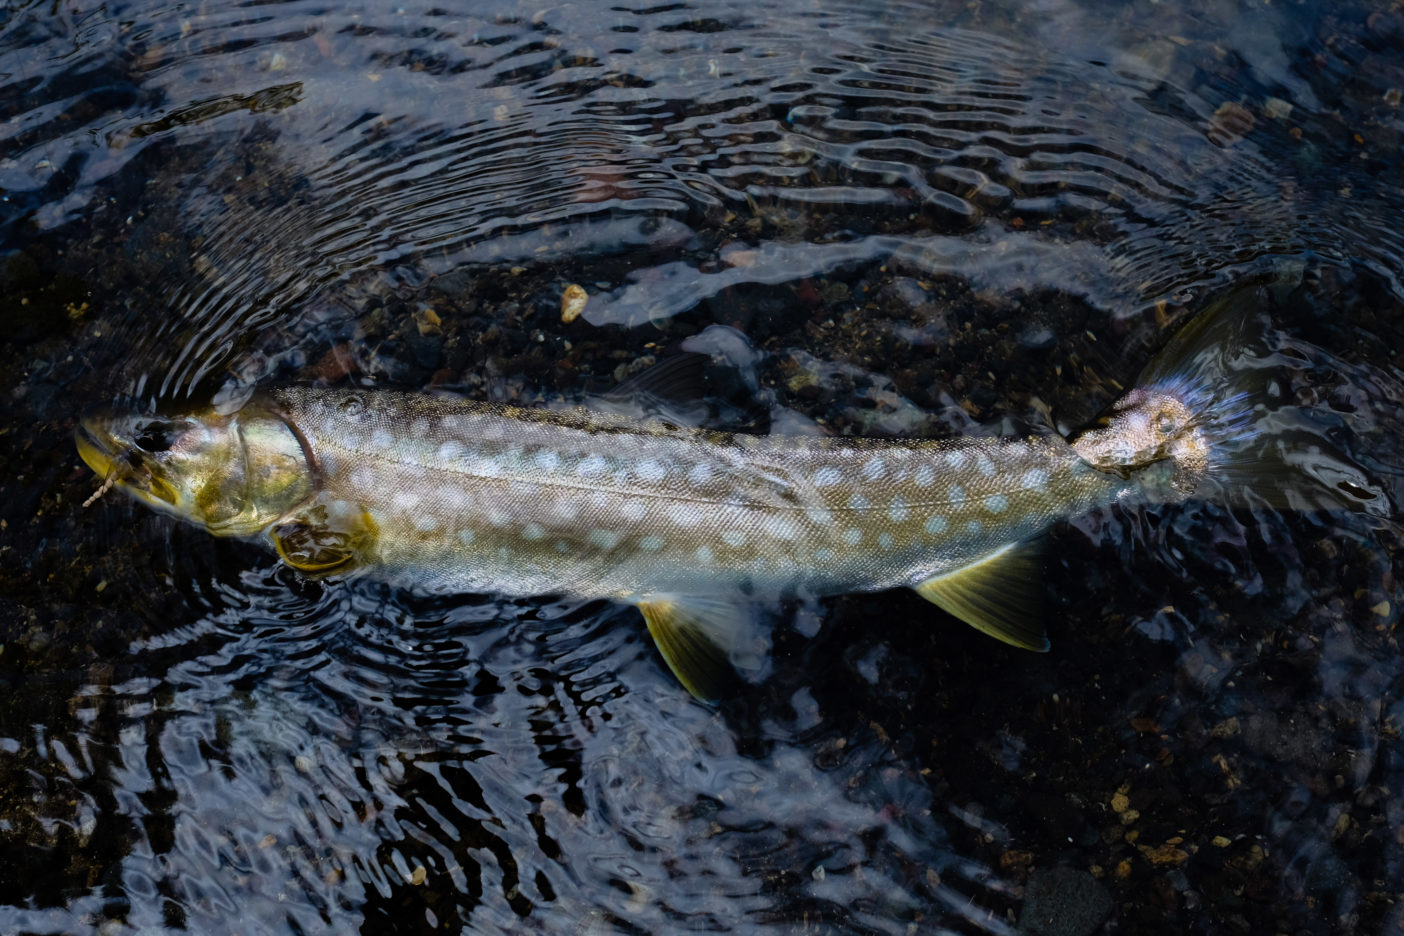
{"x": 1064, "y": 902}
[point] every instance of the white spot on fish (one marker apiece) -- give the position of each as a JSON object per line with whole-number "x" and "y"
{"x": 700, "y": 474}
{"x": 704, "y": 555}
{"x": 956, "y": 496}
{"x": 780, "y": 527}
{"x": 819, "y": 517}
{"x": 985, "y": 465}
{"x": 955, "y": 458}
{"x": 651, "y": 543}
{"x": 466, "y": 537}
{"x": 874, "y": 469}
{"x": 685, "y": 515}
{"x": 382, "y": 439}
{"x": 562, "y": 546}
{"x": 859, "y": 502}
{"x": 734, "y": 538}
{"x": 452, "y": 450}
{"x": 533, "y": 531}
{"x": 419, "y": 428}
{"x": 405, "y": 500}
{"x": 827, "y": 476}
{"x": 604, "y": 539}
{"x": 523, "y": 491}
{"x": 936, "y": 525}
{"x": 885, "y": 540}
{"x": 650, "y": 470}
{"x": 591, "y": 465}
{"x": 898, "y": 510}
{"x": 974, "y": 526}
{"x": 453, "y": 499}
{"x": 996, "y": 503}
{"x": 853, "y": 537}
{"x": 425, "y": 523}
{"x": 496, "y": 516}
{"x": 824, "y": 554}
{"x": 633, "y": 510}
{"x": 924, "y": 477}
{"x": 1036, "y": 479}
{"x": 547, "y": 460}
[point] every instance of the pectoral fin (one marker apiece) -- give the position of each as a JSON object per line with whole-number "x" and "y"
{"x": 697, "y": 637}
{"x": 323, "y": 537}
{"x": 999, "y": 594}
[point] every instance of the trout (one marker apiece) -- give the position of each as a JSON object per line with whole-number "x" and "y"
{"x": 692, "y": 526}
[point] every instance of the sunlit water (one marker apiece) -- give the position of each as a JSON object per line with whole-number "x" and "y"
{"x": 913, "y": 220}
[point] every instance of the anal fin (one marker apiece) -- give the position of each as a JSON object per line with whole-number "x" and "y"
{"x": 999, "y": 594}
{"x": 698, "y": 638}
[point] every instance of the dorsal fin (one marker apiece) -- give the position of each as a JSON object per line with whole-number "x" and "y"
{"x": 999, "y": 594}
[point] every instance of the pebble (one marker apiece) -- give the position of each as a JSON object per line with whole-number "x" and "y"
{"x": 573, "y": 301}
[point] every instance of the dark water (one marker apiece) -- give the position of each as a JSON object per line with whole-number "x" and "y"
{"x": 915, "y": 218}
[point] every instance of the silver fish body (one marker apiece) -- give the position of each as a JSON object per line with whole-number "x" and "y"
{"x": 485, "y": 498}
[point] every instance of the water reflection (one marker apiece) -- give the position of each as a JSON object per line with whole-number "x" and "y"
{"x": 922, "y": 220}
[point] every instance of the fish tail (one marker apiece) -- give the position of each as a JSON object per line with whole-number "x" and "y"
{"x": 1208, "y": 416}
{"x": 1208, "y": 369}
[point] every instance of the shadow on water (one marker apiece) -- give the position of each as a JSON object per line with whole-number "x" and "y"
{"x": 923, "y": 221}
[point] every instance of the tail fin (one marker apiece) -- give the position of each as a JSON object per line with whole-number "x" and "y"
{"x": 1214, "y": 401}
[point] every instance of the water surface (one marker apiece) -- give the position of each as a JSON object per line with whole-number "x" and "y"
{"x": 907, "y": 220}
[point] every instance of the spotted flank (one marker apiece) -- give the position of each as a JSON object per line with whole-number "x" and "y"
{"x": 692, "y": 527}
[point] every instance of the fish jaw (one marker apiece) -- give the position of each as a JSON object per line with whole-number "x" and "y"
{"x": 110, "y": 458}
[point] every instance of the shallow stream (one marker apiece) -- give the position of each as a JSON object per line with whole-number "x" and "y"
{"x": 886, "y": 218}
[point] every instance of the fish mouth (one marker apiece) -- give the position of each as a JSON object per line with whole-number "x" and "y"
{"x": 120, "y": 465}
{"x": 96, "y": 448}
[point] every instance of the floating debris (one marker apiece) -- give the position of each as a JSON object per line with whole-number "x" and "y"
{"x": 108, "y": 483}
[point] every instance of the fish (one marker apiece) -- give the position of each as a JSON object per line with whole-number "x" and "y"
{"x": 693, "y": 526}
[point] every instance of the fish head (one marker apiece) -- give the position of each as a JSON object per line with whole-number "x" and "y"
{"x": 1152, "y": 432}
{"x": 233, "y": 473}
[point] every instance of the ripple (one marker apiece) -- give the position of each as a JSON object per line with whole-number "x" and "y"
{"x": 1022, "y": 192}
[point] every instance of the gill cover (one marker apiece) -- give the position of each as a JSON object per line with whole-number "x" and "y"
{"x": 234, "y": 474}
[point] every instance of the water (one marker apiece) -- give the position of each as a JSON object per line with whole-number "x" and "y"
{"x": 911, "y": 220}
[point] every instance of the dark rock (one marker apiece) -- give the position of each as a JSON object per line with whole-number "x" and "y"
{"x": 1064, "y": 902}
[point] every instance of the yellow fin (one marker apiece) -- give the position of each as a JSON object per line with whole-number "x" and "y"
{"x": 999, "y": 594}
{"x": 696, "y": 637}
{"x": 323, "y": 537}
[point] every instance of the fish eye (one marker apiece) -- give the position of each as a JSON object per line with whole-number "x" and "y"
{"x": 153, "y": 437}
